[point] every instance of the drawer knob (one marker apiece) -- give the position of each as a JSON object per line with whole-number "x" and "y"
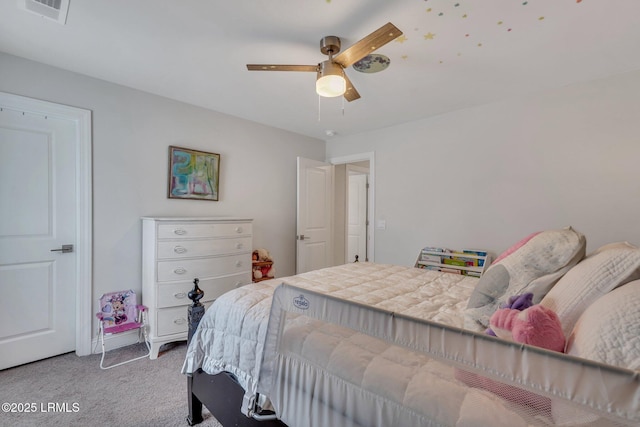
{"x": 180, "y": 295}
{"x": 239, "y": 230}
{"x": 238, "y": 263}
{"x": 180, "y": 231}
{"x": 180, "y": 249}
{"x": 180, "y": 270}
{"x": 180, "y": 321}
{"x": 239, "y": 245}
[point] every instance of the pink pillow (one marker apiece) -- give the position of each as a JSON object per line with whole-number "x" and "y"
{"x": 515, "y": 247}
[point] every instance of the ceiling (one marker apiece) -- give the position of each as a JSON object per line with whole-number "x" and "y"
{"x": 454, "y": 54}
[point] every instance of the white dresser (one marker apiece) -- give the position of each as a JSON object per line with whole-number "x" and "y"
{"x": 177, "y": 250}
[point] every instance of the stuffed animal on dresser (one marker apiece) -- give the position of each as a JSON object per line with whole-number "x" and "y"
{"x": 263, "y": 264}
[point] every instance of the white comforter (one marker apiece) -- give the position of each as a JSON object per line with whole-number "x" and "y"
{"x": 231, "y": 334}
{"x": 360, "y": 374}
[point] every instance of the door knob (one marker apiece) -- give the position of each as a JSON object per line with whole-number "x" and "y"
{"x": 65, "y": 249}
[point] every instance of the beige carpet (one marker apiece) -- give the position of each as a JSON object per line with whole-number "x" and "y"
{"x": 68, "y": 390}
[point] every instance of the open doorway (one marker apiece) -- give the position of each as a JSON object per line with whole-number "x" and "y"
{"x": 353, "y": 208}
{"x": 357, "y": 214}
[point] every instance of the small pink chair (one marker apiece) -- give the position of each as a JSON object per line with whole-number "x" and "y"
{"x": 120, "y": 312}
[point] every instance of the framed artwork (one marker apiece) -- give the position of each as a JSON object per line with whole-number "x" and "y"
{"x": 193, "y": 174}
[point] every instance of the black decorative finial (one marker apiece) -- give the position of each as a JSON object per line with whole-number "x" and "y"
{"x": 356, "y": 258}
{"x": 196, "y": 293}
{"x": 196, "y": 310}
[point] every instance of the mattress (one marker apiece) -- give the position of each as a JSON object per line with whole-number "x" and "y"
{"x": 231, "y": 335}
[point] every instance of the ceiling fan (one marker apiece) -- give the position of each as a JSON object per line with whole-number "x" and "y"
{"x": 331, "y": 79}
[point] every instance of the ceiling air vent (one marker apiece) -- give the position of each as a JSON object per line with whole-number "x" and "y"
{"x": 55, "y": 10}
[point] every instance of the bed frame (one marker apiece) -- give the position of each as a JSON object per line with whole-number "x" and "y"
{"x": 220, "y": 394}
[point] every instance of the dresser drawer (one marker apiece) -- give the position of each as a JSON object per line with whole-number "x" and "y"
{"x": 174, "y": 320}
{"x": 182, "y": 230}
{"x": 203, "y": 247}
{"x": 175, "y": 294}
{"x": 188, "y": 269}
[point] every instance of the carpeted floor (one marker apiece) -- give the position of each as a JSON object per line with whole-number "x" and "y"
{"x": 68, "y": 390}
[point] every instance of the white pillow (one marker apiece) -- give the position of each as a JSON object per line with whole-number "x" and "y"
{"x": 607, "y": 268}
{"x": 534, "y": 265}
{"x": 609, "y": 329}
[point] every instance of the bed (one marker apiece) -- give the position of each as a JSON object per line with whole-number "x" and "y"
{"x": 368, "y": 344}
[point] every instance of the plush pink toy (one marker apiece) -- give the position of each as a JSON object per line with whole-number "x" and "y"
{"x": 518, "y": 302}
{"x": 536, "y": 325}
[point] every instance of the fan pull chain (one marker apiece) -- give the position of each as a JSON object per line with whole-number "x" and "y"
{"x": 319, "y": 107}
{"x": 342, "y": 105}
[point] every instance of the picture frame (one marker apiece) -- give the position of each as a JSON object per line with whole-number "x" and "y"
{"x": 193, "y": 174}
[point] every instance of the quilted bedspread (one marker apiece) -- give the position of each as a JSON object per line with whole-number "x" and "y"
{"x": 373, "y": 381}
{"x": 231, "y": 334}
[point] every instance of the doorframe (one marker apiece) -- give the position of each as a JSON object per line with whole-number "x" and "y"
{"x": 362, "y": 157}
{"x": 83, "y": 182}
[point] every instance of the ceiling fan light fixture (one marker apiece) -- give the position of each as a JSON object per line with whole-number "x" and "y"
{"x": 330, "y": 82}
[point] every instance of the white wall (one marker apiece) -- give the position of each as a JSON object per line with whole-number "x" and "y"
{"x": 485, "y": 177}
{"x": 132, "y": 131}
{"x": 482, "y": 177}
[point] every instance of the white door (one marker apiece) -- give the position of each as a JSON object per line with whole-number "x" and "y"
{"x": 314, "y": 215}
{"x": 356, "y": 216}
{"x": 37, "y": 217}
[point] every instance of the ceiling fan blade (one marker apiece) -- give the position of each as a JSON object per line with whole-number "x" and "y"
{"x": 351, "y": 94}
{"x": 364, "y": 47}
{"x": 272, "y": 67}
